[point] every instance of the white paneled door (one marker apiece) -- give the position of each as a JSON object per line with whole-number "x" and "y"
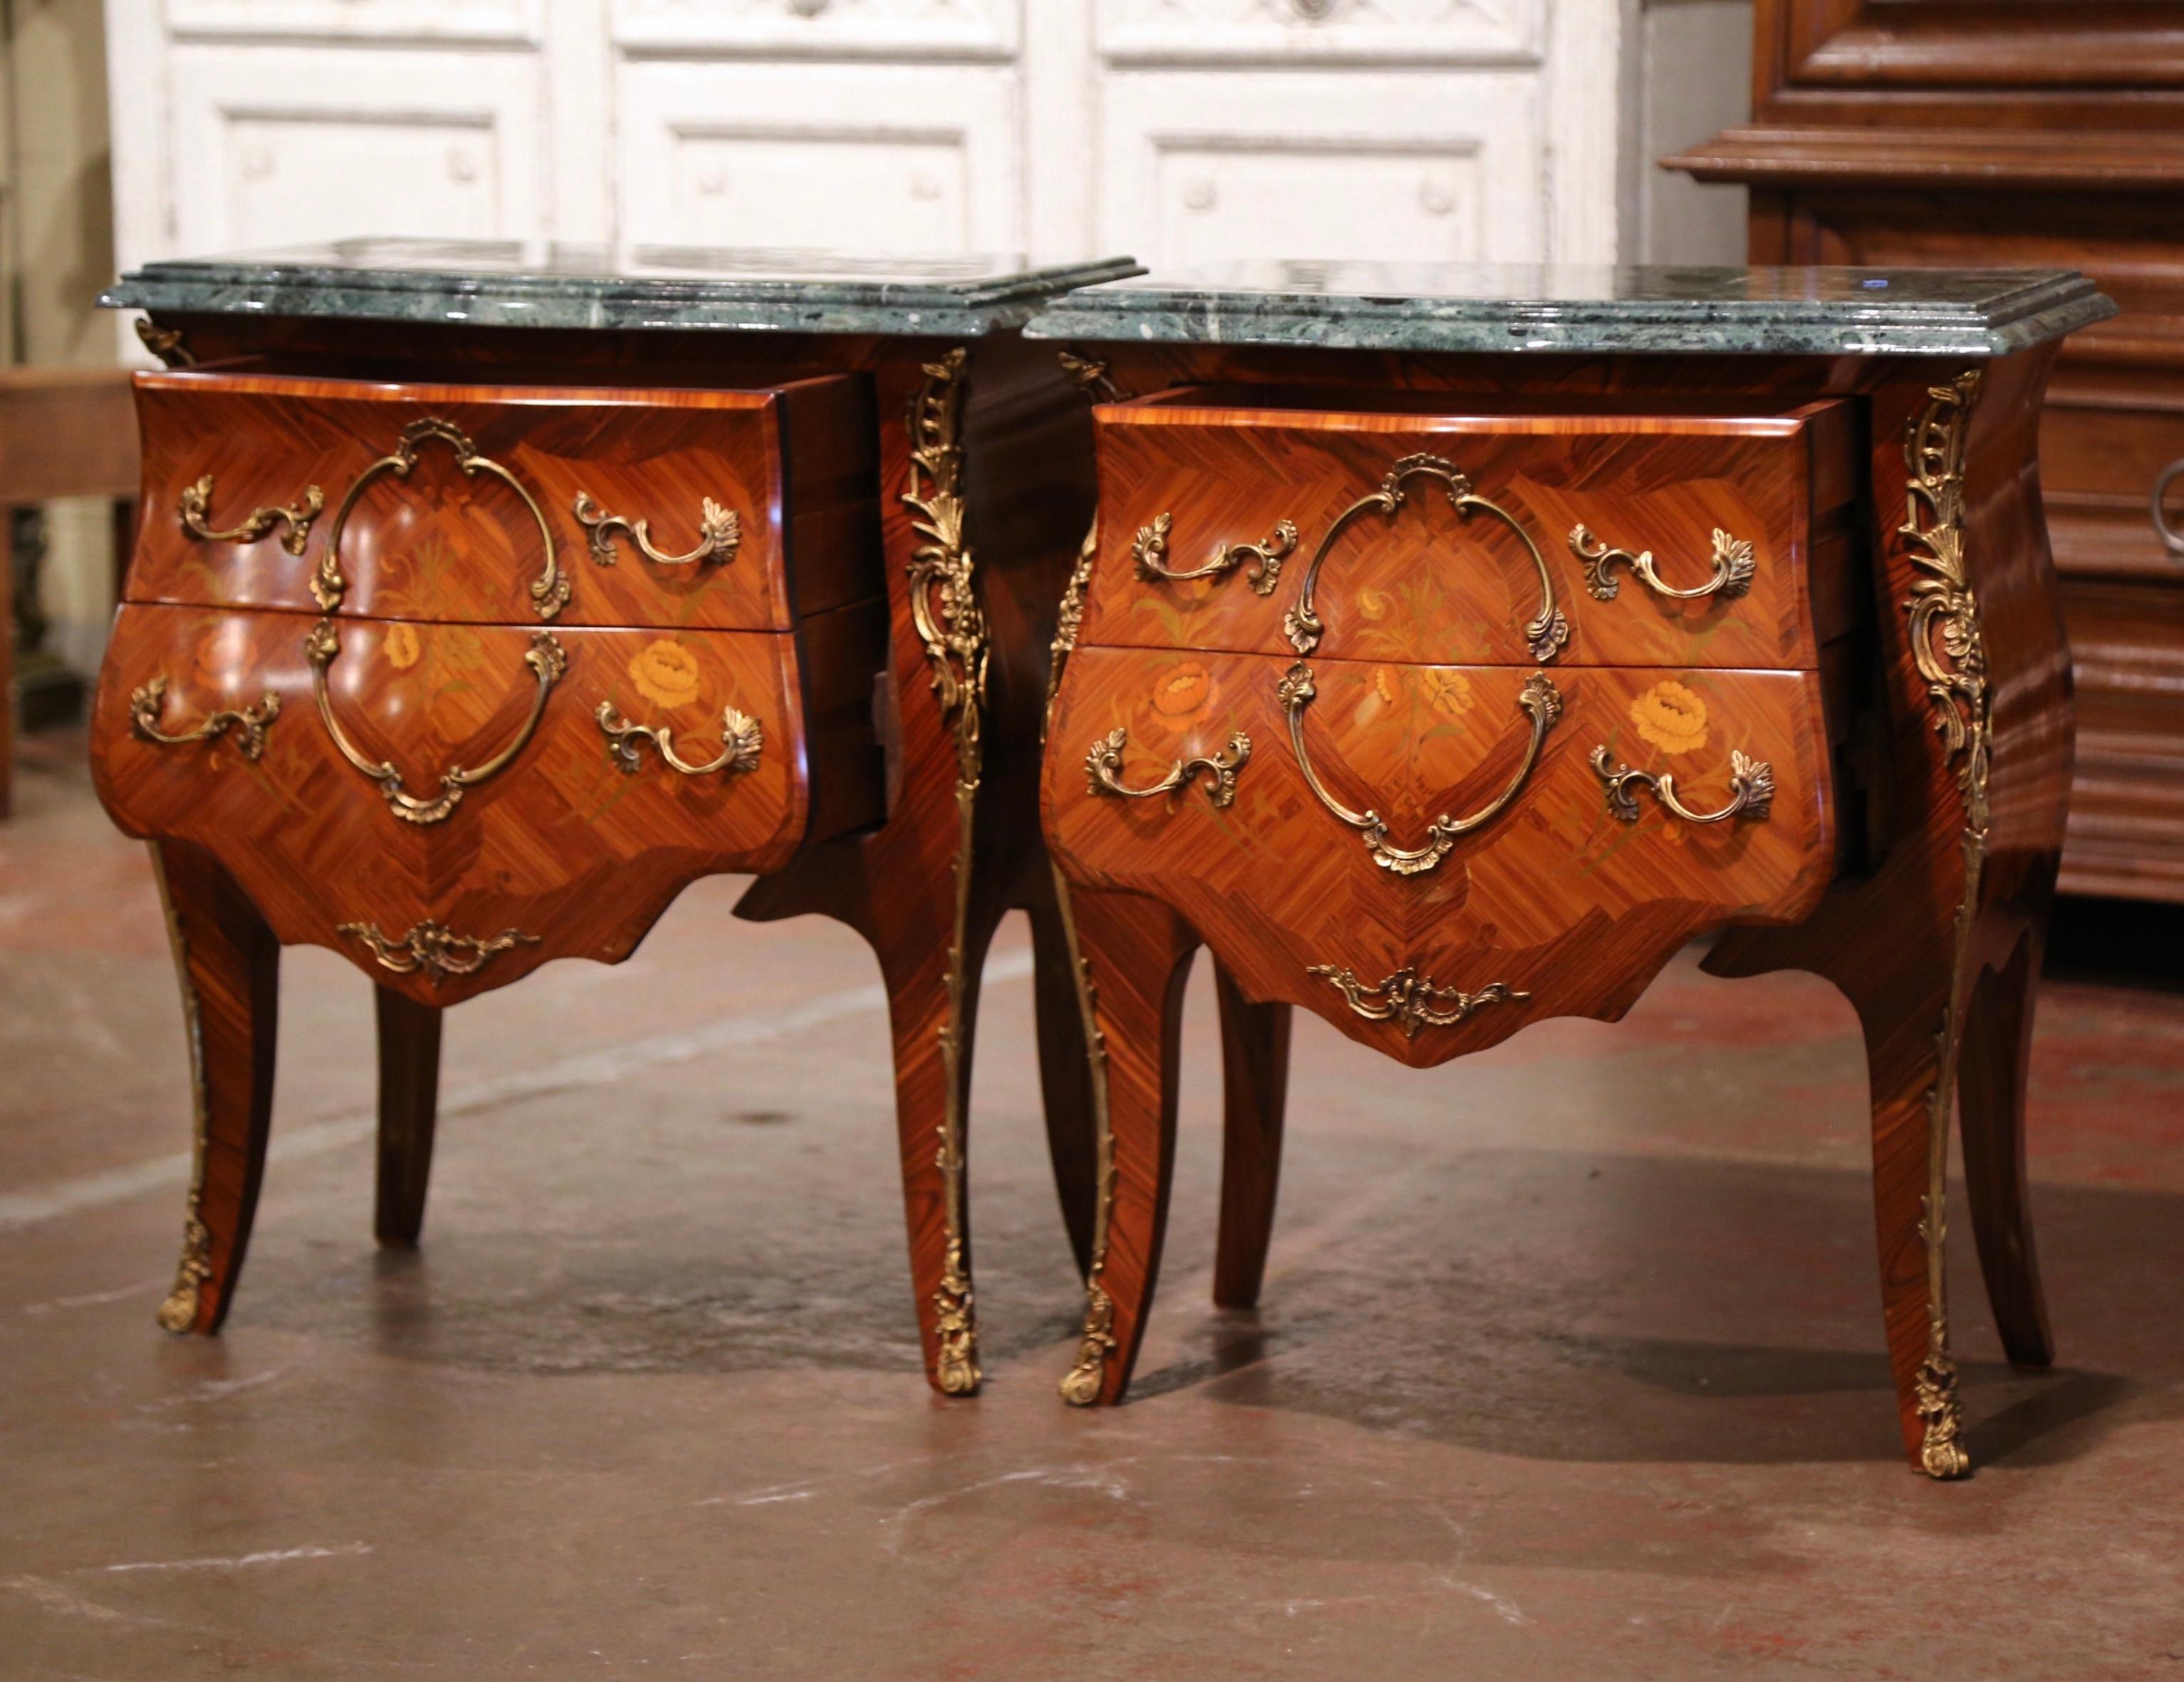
{"x": 1177, "y": 131}
{"x": 903, "y": 157}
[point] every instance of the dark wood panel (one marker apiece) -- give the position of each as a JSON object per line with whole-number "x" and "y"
{"x": 1980, "y": 43}
{"x": 2127, "y": 799}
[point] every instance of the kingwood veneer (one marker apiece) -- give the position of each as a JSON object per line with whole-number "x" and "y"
{"x": 1441, "y": 691}
{"x": 460, "y": 638}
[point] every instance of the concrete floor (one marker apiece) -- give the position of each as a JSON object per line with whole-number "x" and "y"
{"x": 1569, "y": 1363}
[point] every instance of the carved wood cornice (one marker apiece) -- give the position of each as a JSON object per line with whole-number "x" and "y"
{"x": 1977, "y": 159}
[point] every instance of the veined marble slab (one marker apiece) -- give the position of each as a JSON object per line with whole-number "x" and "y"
{"x": 1497, "y": 307}
{"x": 509, "y": 283}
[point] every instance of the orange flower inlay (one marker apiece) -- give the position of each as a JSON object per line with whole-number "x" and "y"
{"x": 666, "y": 673}
{"x": 1671, "y": 717}
{"x": 1450, "y": 693}
{"x": 1184, "y": 692}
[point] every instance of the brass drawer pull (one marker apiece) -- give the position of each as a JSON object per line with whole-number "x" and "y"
{"x": 547, "y": 661}
{"x": 1411, "y": 1000}
{"x": 197, "y": 500}
{"x": 1103, "y": 767}
{"x": 1751, "y": 787}
{"x": 433, "y": 948}
{"x": 549, "y": 590}
{"x": 1540, "y": 701}
{"x": 249, "y": 725}
{"x": 2171, "y": 538}
{"x": 742, "y": 736}
{"x": 1149, "y": 548}
{"x": 720, "y": 534}
{"x": 1733, "y": 568}
{"x": 1544, "y": 635}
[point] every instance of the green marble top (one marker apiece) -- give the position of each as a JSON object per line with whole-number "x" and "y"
{"x": 1478, "y": 307}
{"x": 508, "y": 283}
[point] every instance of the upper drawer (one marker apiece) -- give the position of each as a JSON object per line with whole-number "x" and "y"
{"x": 1470, "y": 536}
{"x": 500, "y": 504}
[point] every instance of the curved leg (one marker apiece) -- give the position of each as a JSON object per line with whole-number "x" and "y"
{"x": 933, "y": 1089}
{"x": 1900, "y": 989}
{"x": 1064, "y": 1085}
{"x": 409, "y": 1103}
{"x": 1997, "y": 1048}
{"x": 1136, "y": 958}
{"x": 1255, "y": 1083}
{"x": 229, "y": 967}
{"x": 1906, "y": 1065}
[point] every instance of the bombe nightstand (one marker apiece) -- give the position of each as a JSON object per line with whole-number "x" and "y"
{"x": 483, "y": 599}
{"x": 1458, "y": 642}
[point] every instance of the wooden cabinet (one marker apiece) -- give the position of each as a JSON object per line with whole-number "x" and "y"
{"x": 1440, "y": 689}
{"x": 2051, "y": 131}
{"x": 458, "y": 648}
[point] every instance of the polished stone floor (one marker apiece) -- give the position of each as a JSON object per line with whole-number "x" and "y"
{"x": 1569, "y": 1361}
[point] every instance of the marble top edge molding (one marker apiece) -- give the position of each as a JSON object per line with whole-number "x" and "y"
{"x": 1426, "y": 307}
{"x": 1482, "y": 308}
{"x": 508, "y": 283}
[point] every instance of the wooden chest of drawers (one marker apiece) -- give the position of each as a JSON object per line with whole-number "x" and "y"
{"x": 1441, "y": 691}
{"x": 478, "y": 608}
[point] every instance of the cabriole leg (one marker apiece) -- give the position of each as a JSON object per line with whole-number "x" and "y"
{"x": 1997, "y": 1050}
{"x": 409, "y": 1104}
{"x": 1255, "y": 1080}
{"x": 1064, "y": 1085}
{"x": 229, "y": 964}
{"x": 1136, "y": 956}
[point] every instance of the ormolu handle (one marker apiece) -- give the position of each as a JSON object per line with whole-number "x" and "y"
{"x": 1103, "y": 767}
{"x": 1540, "y": 701}
{"x": 1412, "y": 1000}
{"x": 1733, "y": 567}
{"x": 742, "y": 736}
{"x": 719, "y": 533}
{"x": 547, "y": 661}
{"x": 549, "y": 590}
{"x": 1149, "y": 548}
{"x": 1751, "y": 787}
{"x": 433, "y": 948}
{"x": 198, "y": 499}
{"x": 1544, "y": 634}
{"x": 249, "y": 725}
{"x": 2171, "y": 538}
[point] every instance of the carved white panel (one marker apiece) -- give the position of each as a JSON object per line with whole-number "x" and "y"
{"x": 1329, "y": 32}
{"x": 1204, "y": 167}
{"x": 361, "y": 20}
{"x": 915, "y": 160}
{"x": 281, "y": 146}
{"x": 899, "y": 29}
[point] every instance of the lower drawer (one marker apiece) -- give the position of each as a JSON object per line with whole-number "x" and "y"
{"x": 1561, "y": 872}
{"x": 462, "y": 802}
